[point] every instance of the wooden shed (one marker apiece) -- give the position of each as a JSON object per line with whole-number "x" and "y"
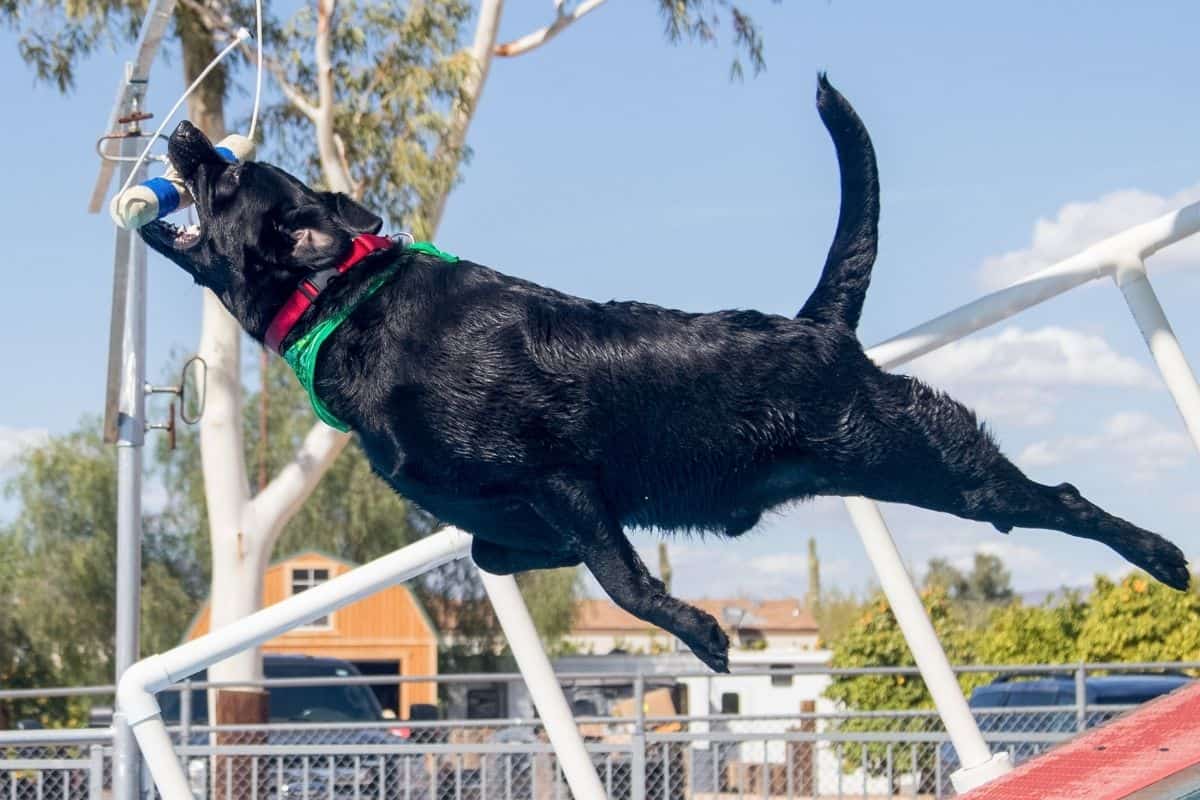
{"x": 388, "y": 633}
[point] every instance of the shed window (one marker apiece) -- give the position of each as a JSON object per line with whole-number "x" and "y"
{"x": 305, "y": 578}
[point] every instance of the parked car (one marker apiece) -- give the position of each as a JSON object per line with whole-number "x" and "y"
{"x": 307, "y": 710}
{"x": 991, "y": 703}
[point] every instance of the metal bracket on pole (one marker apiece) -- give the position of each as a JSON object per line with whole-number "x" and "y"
{"x": 131, "y": 90}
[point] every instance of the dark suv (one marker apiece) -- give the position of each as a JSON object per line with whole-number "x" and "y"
{"x": 308, "y": 711}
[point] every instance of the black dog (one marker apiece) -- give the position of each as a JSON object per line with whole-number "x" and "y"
{"x": 543, "y": 423}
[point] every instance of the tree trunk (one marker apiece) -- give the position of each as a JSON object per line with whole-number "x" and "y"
{"x": 233, "y": 775}
{"x": 237, "y": 568}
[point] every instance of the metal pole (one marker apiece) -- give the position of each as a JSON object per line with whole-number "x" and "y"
{"x": 637, "y": 777}
{"x": 979, "y": 765}
{"x": 96, "y": 773}
{"x": 1164, "y": 346}
{"x": 131, "y": 434}
{"x": 543, "y": 685}
{"x": 1080, "y": 697}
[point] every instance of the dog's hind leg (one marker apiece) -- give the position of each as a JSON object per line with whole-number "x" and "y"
{"x": 577, "y": 510}
{"x": 1021, "y": 502}
{"x": 930, "y": 451}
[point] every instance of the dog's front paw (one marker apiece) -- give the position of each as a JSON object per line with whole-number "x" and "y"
{"x": 704, "y": 636}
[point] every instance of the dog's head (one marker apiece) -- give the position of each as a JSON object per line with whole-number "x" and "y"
{"x": 260, "y": 229}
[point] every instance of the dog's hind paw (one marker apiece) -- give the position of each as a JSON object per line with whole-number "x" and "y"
{"x": 704, "y": 636}
{"x": 1163, "y": 560}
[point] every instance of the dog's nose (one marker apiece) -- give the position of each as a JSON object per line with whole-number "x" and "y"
{"x": 186, "y": 131}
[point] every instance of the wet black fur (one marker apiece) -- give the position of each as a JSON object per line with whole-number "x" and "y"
{"x": 543, "y": 423}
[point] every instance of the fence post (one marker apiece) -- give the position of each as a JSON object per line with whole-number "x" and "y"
{"x": 1080, "y": 697}
{"x": 637, "y": 777}
{"x": 185, "y": 713}
{"x": 96, "y": 773}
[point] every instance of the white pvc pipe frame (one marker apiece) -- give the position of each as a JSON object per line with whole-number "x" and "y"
{"x": 1122, "y": 257}
{"x": 135, "y": 691}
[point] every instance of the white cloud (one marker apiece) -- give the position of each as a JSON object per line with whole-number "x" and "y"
{"x": 1047, "y": 356}
{"x": 1016, "y": 374}
{"x": 793, "y": 564}
{"x": 14, "y": 441}
{"x": 1141, "y": 443}
{"x": 1077, "y": 226}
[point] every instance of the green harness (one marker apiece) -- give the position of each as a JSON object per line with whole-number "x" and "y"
{"x": 302, "y": 355}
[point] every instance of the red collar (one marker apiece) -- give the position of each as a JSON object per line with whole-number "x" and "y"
{"x": 304, "y": 295}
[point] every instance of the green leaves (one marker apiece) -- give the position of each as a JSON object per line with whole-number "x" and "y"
{"x": 1045, "y": 634}
{"x": 876, "y": 640}
{"x": 398, "y": 73}
{"x": 699, "y": 20}
{"x": 57, "y": 574}
{"x": 57, "y": 34}
{"x": 1135, "y": 619}
{"x": 1139, "y": 619}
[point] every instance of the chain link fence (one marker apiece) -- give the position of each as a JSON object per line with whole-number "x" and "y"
{"x": 819, "y": 751}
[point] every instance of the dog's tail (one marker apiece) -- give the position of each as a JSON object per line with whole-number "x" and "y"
{"x": 843, "y": 285}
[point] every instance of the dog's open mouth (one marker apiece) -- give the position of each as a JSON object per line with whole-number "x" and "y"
{"x": 174, "y": 236}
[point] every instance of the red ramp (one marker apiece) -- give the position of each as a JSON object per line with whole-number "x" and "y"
{"x": 1150, "y": 752}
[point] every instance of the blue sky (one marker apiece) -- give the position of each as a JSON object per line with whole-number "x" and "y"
{"x": 612, "y": 165}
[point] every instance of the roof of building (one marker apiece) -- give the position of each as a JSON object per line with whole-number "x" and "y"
{"x": 781, "y": 616}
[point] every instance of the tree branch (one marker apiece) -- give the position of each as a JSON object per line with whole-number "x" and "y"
{"x": 486, "y": 30}
{"x": 356, "y": 187}
{"x": 223, "y": 23}
{"x": 293, "y": 94}
{"x": 336, "y": 177}
{"x": 536, "y": 39}
{"x": 287, "y": 491}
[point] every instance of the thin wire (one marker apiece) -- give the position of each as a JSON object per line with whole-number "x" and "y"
{"x": 258, "y": 38}
{"x": 241, "y": 35}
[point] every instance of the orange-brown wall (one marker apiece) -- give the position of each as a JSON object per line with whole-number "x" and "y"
{"x": 387, "y": 626}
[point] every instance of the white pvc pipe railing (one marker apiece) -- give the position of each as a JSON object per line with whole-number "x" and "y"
{"x": 1103, "y": 258}
{"x": 1164, "y": 346}
{"x": 979, "y": 765}
{"x": 1121, "y": 257}
{"x": 136, "y": 689}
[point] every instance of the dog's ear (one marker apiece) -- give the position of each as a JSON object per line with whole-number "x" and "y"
{"x": 353, "y": 214}
{"x": 317, "y": 235}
